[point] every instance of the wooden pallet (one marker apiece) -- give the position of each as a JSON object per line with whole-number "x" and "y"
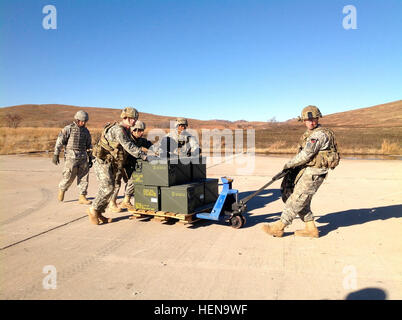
{"x": 164, "y": 216}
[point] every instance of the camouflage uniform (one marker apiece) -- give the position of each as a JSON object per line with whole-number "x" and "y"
{"x": 183, "y": 144}
{"x": 76, "y": 141}
{"x": 106, "y": 169}
{"x": 130, "y": 164}
{"x": 313, "y": 143}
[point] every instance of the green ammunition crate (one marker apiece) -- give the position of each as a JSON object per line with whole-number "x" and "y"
{"x": 166, "y": 173}
{"x": 198, "y": 168}
{"x": 137, "y": 176}
{"x": 210, "y": 190}
{"x": 184, "y": 198}
{"x": 147, "y": 198}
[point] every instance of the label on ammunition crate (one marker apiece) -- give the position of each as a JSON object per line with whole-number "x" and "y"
{"x": 155, "y": 200}
{"x": 137, "y": 178}
{"x": 142, "y": 206}
{"x": 149, "y": 193}
{"x": 159, "y": 167}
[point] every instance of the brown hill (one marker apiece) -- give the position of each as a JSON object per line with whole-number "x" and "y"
{"x": 56, "y": 115}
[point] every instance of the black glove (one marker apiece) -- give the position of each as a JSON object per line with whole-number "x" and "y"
{"x": 287, "y": 167}
{"x": 55, "y": 159}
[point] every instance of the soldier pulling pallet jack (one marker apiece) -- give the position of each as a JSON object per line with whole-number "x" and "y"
{"x": 303, "y": 175}
{"x": 307, "y": 170}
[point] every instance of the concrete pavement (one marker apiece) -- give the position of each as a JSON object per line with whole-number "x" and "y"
{"x": 49, "y": 250}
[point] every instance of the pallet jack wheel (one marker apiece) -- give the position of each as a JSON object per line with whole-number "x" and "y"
{"x": 237, "y": 221}
{"x": 244, "y": 220}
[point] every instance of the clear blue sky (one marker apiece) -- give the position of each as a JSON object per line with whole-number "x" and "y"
{"x": 205, "y": 59}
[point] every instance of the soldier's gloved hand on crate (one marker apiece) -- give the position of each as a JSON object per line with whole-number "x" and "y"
{"x": 56, "y": 159}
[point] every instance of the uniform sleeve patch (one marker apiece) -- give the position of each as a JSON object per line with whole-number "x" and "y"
{"x": 313, "y": 140}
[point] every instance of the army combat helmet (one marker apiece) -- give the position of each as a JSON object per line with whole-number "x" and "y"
{"x": 129, "y": 113}
{"x": 181, "y": 121}
{"x": 139, "y": 125}
{"x": 82, "y": 116}
{"x": 310, "y": 112}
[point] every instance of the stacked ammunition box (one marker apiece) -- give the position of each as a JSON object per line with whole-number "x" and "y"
{"x": 174, "y": 185}
{"x": 147, "y": 198}
{"x": 183, "y": 198}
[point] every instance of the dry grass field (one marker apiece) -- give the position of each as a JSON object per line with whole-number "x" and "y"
{"x": 364, "y": 141}
{"x": 351, "y": 140}
{"x": 375, "y": 130}
{"x": 26, "y": 140}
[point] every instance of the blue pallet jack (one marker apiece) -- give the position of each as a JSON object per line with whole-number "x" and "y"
{"x": 229, "y": 207}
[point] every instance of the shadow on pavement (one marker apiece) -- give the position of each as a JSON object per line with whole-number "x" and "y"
{"x": 357, "y": 216}
{"x": 76, "y": 200}
{"x": 260, "y": 201}
{"x": 116, "y": 219}
{"x": 367, "y": 294}
{"x": 333, "y": 220}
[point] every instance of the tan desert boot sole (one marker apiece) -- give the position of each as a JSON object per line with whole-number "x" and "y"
{"x": 93, "y": 217}
{"x": 60, "y": 195}
{"x": 309, "y": 231}
{"x": 113, "y": 207}
{"x": 104, "y": 219}
{"x": 271, "y": 230}
{"x": 127, "y": 205}
{"x": 83, "y": 200}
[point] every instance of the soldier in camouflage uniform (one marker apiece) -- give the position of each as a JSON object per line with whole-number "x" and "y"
{"x": 179, "y": 142}
{"x": 137, "y": 132}
{"x": 317, "y": 154}
{"x": 110, "y": 156}
{"x": 76, "y": 140}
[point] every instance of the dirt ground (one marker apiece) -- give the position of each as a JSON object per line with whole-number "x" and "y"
{"x": 49, "y": 250}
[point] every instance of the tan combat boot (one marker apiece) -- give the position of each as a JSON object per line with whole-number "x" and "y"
{"x": 113, "y": 206}
{"x": 103, "y": 219}
{"x": 83, "y": 199}
{"x": 274, "y": 229}
{"x": 60, "y": 195}
{"x": 309, "y": 231}
{"x": 93, "y": 215}
{"x": 126, "y": 204}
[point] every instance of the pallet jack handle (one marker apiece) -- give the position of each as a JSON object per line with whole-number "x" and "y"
{"x": 241, "y": 205}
